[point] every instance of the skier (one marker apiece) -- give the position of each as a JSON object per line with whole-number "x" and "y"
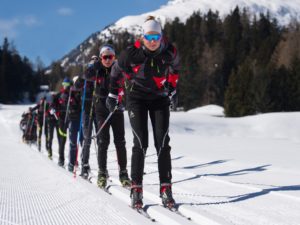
{"x": 52, "y": 124}
{"x": 99, "y": 71}
{"x": 60, "y": 105}
{"x": 74, "y": 122}
{"x": 24, "y": 120}
{"x": 41, "y": 108}
{"x": 88, "y": 118}
{"x": 29, "y": 135}
{"x": 151, "y": 68}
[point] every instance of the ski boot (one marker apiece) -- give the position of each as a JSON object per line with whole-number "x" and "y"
{"x": 70, "y": 167}
{"x": 85, "y": 169}
{"x": 50, "y": 154}
{"x": 166, "y": 195}
{"x": 61, "y": 163}
{"x": 39, "y": 144}
{"x": 136, "y": 196}
{"x": 102, "y": 179}
{"x": 123, "y": 176}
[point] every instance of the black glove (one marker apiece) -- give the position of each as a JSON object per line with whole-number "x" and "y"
{"x": 112, "y": 102}
{"x": 173, "y": 100}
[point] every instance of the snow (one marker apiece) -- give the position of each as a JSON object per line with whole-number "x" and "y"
{"x": 64, "y": 62}
{"x": 212, "y": 110}
{"x": 226, "y": 171}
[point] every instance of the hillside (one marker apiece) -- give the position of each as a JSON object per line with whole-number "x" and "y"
{"x": 283, "y": 11}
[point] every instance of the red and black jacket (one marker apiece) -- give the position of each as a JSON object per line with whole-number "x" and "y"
{"x": 98, "y": 76}
{"x": 40, "y": 109}
{"x": 60, "y": 103}
{"x": 98, "y": 73}
{"x": 148, "y": 75}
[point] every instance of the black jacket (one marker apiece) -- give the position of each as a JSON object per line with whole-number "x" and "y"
{"x": 96, "y": 75}
{"x": 60, "y": 104}
{"x": 60, "y": 101}
{"x": 41, "y": 107}
{"x": 148, "y": 75}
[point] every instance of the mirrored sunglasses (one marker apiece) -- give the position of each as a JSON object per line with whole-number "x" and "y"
{"x": 154, "y": 37}
{"x": 106, "y": 57}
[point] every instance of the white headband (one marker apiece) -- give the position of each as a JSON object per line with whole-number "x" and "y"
{"x": 107, "y": 50}
{"x": 151, "y": 25}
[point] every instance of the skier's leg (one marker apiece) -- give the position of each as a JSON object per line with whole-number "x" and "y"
{"x": 40, "y": 132}
{"x": 138, "y": 116}
{"x": 62, "y": 142}
{"x": 50, "y": 128}
{"x": 73, "y": 132}
{"x": 160, "y": 116}
{"x": 85, "y": 154}
{"x": 117, "y": 123}
{"x": 103, "y": 140}
{"x": 46, "y": 133}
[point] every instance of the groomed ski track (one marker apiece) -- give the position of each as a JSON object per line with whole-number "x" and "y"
{"x": 34, "y": 190}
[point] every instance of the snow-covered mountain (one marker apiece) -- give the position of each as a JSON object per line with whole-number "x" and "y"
{"x": 282, "y": 10}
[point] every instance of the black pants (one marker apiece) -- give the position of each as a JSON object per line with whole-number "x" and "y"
{"x": 74, "y": 126}
{"x": 88, "y": 122}
{"x": 51, "y": 125}
{"x": 40, "y": 130}
{"x": 116, "y": 122}
{"x": 159, "y": 113}
{"x": 62, "y": 139}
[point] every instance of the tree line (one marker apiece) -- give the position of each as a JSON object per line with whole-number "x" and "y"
{"x": 246, "y": 63}
{"x": 17, "y": 76}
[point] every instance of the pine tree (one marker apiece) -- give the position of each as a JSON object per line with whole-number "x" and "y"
{"x": 4, "y": 71}
{"x": 293, "y": 98}
{"x": 233, "y": 30}
{"x": 56, "y": 76}
{"x": 239, "y": 95}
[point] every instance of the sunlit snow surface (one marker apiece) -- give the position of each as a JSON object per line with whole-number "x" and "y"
{"x": 226, "y": 171}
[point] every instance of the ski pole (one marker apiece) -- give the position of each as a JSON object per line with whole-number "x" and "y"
{"x": 92, "y": 107}
{"x": 104, "y": 123}
{"x": 44, "y": 115}
{"x": 96, "y": 149}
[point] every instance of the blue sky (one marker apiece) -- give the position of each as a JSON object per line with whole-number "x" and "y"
{"x": 50, "y": 29}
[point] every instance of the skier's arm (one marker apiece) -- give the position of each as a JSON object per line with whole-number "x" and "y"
{"x": 79, "y": 83}
{"x": 116, "y": 91}
{"x": 173, "y": 71}
{"x": 54, "y": 106}
{"x": 117, "y": 74}
{"x": 35, "y": 108}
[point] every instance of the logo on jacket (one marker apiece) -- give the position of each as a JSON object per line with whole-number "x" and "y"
{"x": 159, "y": 81}
{"x": 131, "y": 114}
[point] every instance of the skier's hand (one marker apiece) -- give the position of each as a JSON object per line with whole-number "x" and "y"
{"x": 52, "y": 111}
{"x": 173, "y": 100}
{"x": 112, "y": 102}
{"x": 121, "y": 107}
